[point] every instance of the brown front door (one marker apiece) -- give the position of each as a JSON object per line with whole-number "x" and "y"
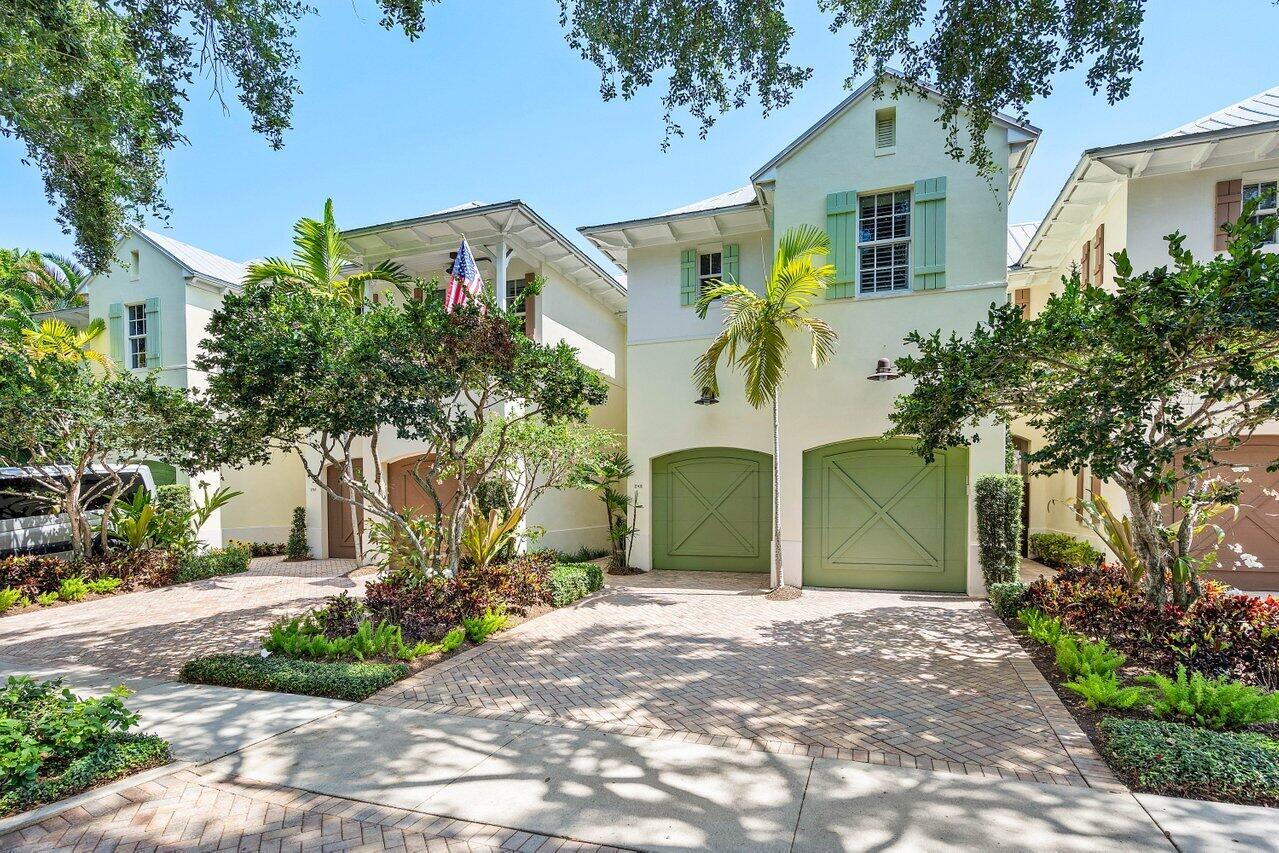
{"x": 1255, "y": 529}
{"x": 405, "y": 493}
{"x": 341, "y": 527}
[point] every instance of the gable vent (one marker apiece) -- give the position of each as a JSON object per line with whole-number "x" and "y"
{"x": 885, "y": 128}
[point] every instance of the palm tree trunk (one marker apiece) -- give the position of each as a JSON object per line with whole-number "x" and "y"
{"x": 777, "y": 495}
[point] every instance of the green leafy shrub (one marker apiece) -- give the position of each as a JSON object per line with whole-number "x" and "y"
{"x": 73, "y": 589}
{"x": 998, "y": 504}
{"x": 571, "y": 581}
{"x": 1183, "y": 761}
{"x": 150, "y": 567}
{"x": 118, "y": 756}
{"x": 9, "y": 597}
{"x": 1078, "y": 656}
{"x": 103, "y": 586}
{"x": 1041, "y": 628}
{"x": 1213, "y": 703}
{"x": 45, "y": 599}
{"x": 230, "y": 560}
{"x": 262, "y": 549}
{"x": 340, "y": 615}
{"x": 1007, "y": 598}
{"x": 478, "y": 628}
{"x": 451, "y": 640}
{"x": 1104, "y": 691}
{"x": 33, "y": 574}
{"x": 303, "y": 637}
{"x": 335, "y": 680}
{"x": 1060, "y": 550}
{"x": 296, "y": 548}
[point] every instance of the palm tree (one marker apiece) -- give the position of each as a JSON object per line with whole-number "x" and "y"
{"x": 321, "y": 256}
{"x": 754, "y": 337}
{"x": 58, "y": 280}
{"x": 56, "y": 339}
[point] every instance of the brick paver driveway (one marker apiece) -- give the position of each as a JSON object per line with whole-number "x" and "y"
{"x": 153, "y": 632}
{"x": 917, "y": 680}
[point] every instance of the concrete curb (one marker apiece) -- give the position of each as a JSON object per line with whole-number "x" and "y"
{"x": 41, "y": 813}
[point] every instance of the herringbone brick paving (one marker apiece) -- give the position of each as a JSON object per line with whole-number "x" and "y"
{"x": 184, "y": 811}
{"x": 915, "y": 680}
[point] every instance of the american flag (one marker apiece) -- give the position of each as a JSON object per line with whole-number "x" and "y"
{"x": 464, "y": 281}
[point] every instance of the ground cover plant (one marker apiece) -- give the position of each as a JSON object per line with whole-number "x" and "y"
{"x": 354, "y": 681}
{"x": 54, "y": 744}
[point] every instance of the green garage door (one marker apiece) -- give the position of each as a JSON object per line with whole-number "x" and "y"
{"x": 712, "y": 510}
{"x": 877, "y": 517}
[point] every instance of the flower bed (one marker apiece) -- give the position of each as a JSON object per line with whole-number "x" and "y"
{"x": 1176, "y": 700}
{"x": 54, "y": 744}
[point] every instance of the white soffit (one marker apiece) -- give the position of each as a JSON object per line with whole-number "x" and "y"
{"x": 484, "y": 225}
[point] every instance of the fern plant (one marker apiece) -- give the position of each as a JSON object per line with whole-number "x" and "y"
{"x": 1104, "y": 691}
{"x": 46, "y": 599}
{"x": 103, "y": 586}
{"x": 1077, "y": 657}
{"x": 9, "y": 597}
{"x": 1213, "y": 703}
{"x": 478, "y": 628}
{"x": 1041, "y": 628}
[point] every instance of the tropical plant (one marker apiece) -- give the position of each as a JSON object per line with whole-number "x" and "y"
{"x": 478, "y": 628}
{"x": 754, "y": 336}
{"x": 1077, "y": 656}
{"x": 132, "y": 520}
{"x": 606, "y": 475}
{"x": 1214, "y": 703}
{"x": 9, "y": 597}
{"x": 321, "y": 263}
{"x": 1041, "y": 628}
{"x": 1148, "y": 384}
{"x": 53, "y": 338}
{"x": 1103, "y": 690}
{"x": 46, "y": 599}
{"x": 535, "y": 455}
{"x": 485, "y": 538}
{"x": 103, "y": 586}
{"x": 73, "y": 589}
{"x": 59, "y": 280}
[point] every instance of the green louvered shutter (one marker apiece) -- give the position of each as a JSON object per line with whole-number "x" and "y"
{"x": 841, "y": 227}
{"x": 153, "y": 333}
{"x": 732, "y": 263}
{"x": 929, "y": 236}
{"x": 688, "y": 277}
{"x": 115, "y": 332}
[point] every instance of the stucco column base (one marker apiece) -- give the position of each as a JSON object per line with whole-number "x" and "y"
{"x": 792, "y": 563}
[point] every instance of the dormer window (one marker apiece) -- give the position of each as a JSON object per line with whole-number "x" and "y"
{"x": 886, "y": 130}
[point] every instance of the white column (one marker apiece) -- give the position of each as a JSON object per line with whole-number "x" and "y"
{"x": 499, "y": 286}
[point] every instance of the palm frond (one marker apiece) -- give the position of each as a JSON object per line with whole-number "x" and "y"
{"x": 801, "y": 241}
{"x": 764, "y": 363}
{"x": 277, "y": 270}
{"x": 823, "y": 336}
{"x": 720, "y": 290}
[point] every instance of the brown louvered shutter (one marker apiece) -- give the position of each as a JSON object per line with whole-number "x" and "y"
{"x": 1094, "y": 486}
{"x": 1227, "y": 207}
{"x": 530, "y": 310}
{"x": 1085, "y": 263}
{"x": 417, "y": 294}
{"x": 1021, "y": 298}
{"x": 1099, "y": 256}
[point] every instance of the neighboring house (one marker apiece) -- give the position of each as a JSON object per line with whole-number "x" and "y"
{"x": 1130, "y": 196}
{"x": 156, "y": 301}
{"x": 918, "y": 243}
{"x": 580, "y": 303}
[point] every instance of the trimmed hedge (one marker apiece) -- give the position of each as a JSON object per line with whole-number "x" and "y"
{"x": 230, "y": 560}
{"x": 1007, "y": 598}
{"x": 998, "y": 504}
{"x": 1062, "y": 551}
{"x": 115, "y": 758}
{"x": 1183, "y": 761}
{"x": 571, "y": 581}
{"x": 353, "y": 681}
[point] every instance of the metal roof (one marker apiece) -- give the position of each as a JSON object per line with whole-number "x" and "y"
{"x": 1018, "y": 238}
{"x": 195, "y": 260}
{"x": 1257, "y": 109}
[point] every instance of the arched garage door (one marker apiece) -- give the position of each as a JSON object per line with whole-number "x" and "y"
{"x": 877, "y": 517}
{"x": 712, "y": 510}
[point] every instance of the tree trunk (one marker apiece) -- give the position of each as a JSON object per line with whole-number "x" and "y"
{"x": 1150, "y": 543}
{"x": 777, "y": 495}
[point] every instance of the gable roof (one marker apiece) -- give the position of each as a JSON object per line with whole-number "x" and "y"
{"x": 1257, "y": 109}
{"x": 1015, "y": 167}
{"x": 196, "y": 260}
{"x": 1018, "y": 238}
{"x": 732, "y": 198}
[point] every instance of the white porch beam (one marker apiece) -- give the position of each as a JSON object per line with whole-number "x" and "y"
{"x": 1143, "y": 163}
{"x": 499, "y": 286}
{"x": 1204, "y": 155}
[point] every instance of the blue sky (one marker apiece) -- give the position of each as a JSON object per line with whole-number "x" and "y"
{"x": 491, "y": 104}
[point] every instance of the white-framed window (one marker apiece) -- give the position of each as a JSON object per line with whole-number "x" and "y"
{"x": 1265, "y": 192}
{"x": 883, "y": 242}
{"x": 514, "y": 292}
{"x": 136, "y": 334}
{"x": 710, "y": 269}
{"x": 885, "y": 130}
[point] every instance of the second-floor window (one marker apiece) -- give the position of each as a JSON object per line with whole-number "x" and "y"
{"x": 883, "y": 242}
{"x": 1264, "y": 192}
{"x": 514, "y": 294}
{"x": 710, "y": 269}
{"x": 137, "y": 336}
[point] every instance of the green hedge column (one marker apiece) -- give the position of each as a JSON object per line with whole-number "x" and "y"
{"x": 998, "y": 499}
{"x": 930, "y": 234}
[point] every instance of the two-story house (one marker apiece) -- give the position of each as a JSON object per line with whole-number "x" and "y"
{"x": 918, "y": 242}
{"x": 1129, "y": 197}
{"x": 158, "y": 299}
